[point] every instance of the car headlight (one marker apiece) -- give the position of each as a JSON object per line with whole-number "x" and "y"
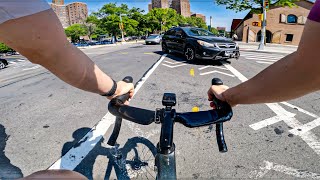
{"x": 205, "y": 44}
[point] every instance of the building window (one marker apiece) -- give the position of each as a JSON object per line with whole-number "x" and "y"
{"x": 292, "y": 19}
{"x": 289, "y": 38}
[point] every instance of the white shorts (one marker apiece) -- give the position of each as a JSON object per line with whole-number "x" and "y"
{"x": 12, "y": 9}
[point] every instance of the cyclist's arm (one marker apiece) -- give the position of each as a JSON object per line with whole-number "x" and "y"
{"x": 41, "y": 38}
{"x": 293, "y": 76}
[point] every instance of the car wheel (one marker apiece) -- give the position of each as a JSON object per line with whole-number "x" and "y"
{"x": 165, "y": 48}
{"x": 2, "y": 65}
{"x": 190, "y": 53}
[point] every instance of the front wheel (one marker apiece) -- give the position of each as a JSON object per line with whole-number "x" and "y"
{"x": 164, "y": 48}
{"x": 190, "y": 53}
{"x": 2, "y": 65}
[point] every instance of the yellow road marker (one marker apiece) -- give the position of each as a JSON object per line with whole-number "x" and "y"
{"x": 192, "y": 72}
{"x": 195, "y": 109}
{"x": 124, "y": 53}
{"x": 150, "y": 53}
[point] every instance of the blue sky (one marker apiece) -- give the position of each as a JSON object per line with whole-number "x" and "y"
{"x": 221, "y": 16}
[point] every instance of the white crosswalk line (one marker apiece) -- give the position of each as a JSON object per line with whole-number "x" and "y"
{"x": 264, "y": 62}
{"x": 21, "y": 60}
{"x": 12, "y": 62}
{"x": 260, "y": 56}
{"x": 262, "y": 59}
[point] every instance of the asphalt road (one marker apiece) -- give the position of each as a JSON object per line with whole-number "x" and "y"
{"x": 45, "y": 123}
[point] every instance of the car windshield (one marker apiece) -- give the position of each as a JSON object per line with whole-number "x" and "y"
{"x": 197, "y": 32}
{"x": 153, "y": 37}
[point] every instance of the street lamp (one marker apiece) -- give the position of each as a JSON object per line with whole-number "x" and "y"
{"x": 121, "y": 27}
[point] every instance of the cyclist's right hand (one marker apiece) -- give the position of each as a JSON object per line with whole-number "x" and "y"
{"x": 217, "y": 91}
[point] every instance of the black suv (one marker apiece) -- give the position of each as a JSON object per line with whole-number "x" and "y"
{"x": 197, "y": 43}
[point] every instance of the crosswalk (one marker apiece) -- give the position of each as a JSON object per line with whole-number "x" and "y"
{"x": 261, "y": 58}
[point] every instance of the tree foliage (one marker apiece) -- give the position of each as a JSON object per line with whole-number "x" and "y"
{"x": 4, "y": 48}
{"x": 242, "y": 5}
{"x": 75, "y": 31}
{"x": 135, "y": 22}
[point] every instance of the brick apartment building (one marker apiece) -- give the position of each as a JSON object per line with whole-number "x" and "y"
{"x": 284, "y": 25}
{"x": 203, "y": 17}
{"x": 73, "y": 13}
{"x": 160, "y": 4}
{"x": 182, "y": 7}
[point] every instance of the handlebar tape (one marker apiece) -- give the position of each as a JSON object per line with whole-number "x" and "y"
{"x": 219, "y": 126}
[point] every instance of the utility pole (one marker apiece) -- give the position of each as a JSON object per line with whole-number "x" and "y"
{"x": 121, "y": 28}
{"x": 263, "y": 29}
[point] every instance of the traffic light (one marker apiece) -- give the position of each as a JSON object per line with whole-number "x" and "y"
{"x": 260, "y": 17}
{"x": 266, "y": 4}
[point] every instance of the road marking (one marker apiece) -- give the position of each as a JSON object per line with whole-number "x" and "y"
{"x": 34, "y": 67}
{"x": 261, "y": 54}
{"x": 219, "y": 72}
{"x": 21, "y": 60}
{"x": 257, "y": 57}
{"x": 149, "y": 53}
{"x": 205, "y": 67}
{"x": 12, "y": 62}
{"x": 124, "y": 53}
{"x": 270, "y": 166}
{"x": 174, "y": 66}
{"x": 195, "y": 109}
{"x": 306, "y": 127}
{"x": 288, "y": 117}
{"x": 263, "y": 62}
{"x": 174, "y": 62}
{"x": 75, "y": 155}
{"x": 192, "y": 72}
{"x": 299, "y": 109}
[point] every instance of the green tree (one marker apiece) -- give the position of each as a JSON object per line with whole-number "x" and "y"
{"x": 75, "y": 31}
{"x": 163, "y": 19}
{"x": 214, "y": 31}
{"x": 255, "y": 5}
{"x": 196, "y": 21}
{"x": 4, "y": 48}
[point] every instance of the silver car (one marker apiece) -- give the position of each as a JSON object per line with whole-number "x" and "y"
{"x": 154, "y": 39}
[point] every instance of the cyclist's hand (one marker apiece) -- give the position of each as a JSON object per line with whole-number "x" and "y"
{"x": 123, "y": 88}
{"x": 216, "y": 91}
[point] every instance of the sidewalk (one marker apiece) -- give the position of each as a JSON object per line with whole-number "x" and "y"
{"x": 116, "y": 44}
{"x": 271, "y": 48}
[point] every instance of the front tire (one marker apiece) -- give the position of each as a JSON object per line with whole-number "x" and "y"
{"x": 2, "y": 65}
{"x": 190, "y": 53}
{"x": 164, "y": 48}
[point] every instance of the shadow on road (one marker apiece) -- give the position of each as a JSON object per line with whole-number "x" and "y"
{"x": 7, "y": 170}
{"x": 128, "y": 161}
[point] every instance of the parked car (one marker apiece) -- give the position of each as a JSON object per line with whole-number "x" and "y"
{"x": 196, "y": 43}
{"x": 3, "y": 63}
{"x": 154, "y": 39}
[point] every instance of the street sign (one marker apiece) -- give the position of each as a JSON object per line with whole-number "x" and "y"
{"x": 256, "y": 24}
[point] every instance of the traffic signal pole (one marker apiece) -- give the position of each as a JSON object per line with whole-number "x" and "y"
{"x": 263, "y": 29}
